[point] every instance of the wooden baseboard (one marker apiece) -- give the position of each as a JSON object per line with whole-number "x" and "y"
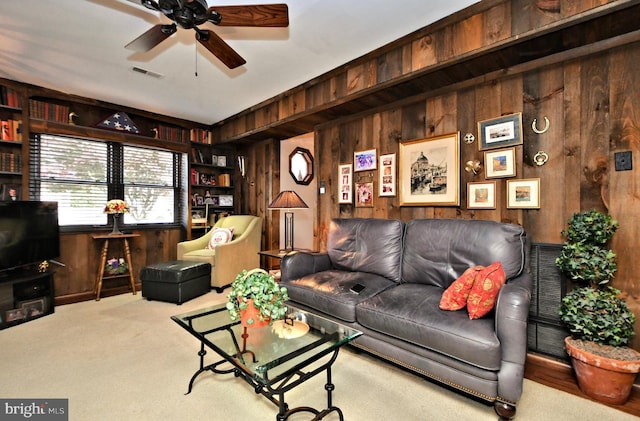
{"x": 559, "y": 375}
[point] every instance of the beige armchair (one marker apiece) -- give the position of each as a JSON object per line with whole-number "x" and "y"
{"x": 227, "y": 260}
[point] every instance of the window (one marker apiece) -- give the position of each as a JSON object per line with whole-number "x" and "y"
{"x": 82, "y": 174}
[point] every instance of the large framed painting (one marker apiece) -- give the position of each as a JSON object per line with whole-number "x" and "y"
{"x": 429, "y": 171}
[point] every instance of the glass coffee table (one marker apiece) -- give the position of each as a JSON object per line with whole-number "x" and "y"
{"x": 272, "y": 359}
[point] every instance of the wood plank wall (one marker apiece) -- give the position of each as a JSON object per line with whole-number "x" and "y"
{"x": 590, "y": 96}
{"x": 81, "y": 255}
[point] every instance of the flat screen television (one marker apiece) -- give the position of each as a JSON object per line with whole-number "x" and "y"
{"x": 29, "y": 233}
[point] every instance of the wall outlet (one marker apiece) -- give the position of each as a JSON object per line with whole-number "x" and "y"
{"x": 624, "y": 161}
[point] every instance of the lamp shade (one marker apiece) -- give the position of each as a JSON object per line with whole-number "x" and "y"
{"x": 288, "y": 199}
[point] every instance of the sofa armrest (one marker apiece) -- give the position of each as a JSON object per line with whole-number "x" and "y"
{"x": 512, "y": 312}
{"x": 299, "y": 264}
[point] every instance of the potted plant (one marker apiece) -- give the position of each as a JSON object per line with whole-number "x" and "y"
{"x": 598, "y": 319}
{"x": 256, "y": 299}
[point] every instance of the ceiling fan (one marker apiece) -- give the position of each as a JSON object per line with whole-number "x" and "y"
{"x": 188, "y": 14}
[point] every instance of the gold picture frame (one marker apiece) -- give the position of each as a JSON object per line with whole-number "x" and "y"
{"x": 500, "y": 132}
{"x": 481, "y": 195}
{"x": 500, "y": 163}
{"x": 429, "y": 171}
{"x": 523, "y": 193}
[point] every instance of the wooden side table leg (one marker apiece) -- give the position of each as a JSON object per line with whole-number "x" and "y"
{"x": 127, "y": 255}
{"x": 103, "y": 262}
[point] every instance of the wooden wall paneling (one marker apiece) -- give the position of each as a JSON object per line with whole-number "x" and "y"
{"x": 496, "y": 23}
{"x": 442, "y": 119}
{"x": 389, "y": 65}
{"x": 543, "y": 98}
{"x": 595, "y": 134}
{"x": 423, "y": 52}
{"x": 80, "y": 271}
{"x": 624, "y": 186}
{"x": 572, "y": 129}
{"x": 466, "y": 35}
{"x": 534, "y": 14}
{"x": 572, "y": 7}
{"x": 466, "y": 123}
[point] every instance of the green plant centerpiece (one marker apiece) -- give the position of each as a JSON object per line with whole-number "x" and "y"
{"x": 258, "y": 289}
{"x": 598, "y": 319}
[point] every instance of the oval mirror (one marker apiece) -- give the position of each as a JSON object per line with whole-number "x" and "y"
{"x": 301, "y": 166}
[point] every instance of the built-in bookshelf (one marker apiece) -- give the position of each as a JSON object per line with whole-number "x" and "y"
{"x": 211, "y": 185}
{"x": 12, "y": 134}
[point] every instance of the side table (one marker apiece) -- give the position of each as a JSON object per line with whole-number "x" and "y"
{"x": 103, "y": 260}
{"x": 279, "y": 255}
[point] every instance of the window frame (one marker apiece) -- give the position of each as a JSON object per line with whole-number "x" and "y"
{"x": 114, "y": 160}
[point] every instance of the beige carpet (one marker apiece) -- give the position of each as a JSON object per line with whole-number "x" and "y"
{"x": 122, "y": 358}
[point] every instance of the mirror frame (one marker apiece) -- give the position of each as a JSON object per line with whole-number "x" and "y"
{"x": 306, "y": 155}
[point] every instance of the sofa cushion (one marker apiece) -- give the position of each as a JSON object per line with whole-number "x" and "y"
{"x": 366, "y": 245}
{"x": 330, "y": 292}
{"x": 484, "y": 292}
{"x": 410, "y": 312}
{"x": 438, "y": 251}
{"x": 455, "y": 297}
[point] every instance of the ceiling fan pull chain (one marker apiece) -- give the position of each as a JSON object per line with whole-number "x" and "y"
{"x": 195, "y": 46}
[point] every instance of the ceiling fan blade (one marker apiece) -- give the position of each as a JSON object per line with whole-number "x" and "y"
{"x": 219, "y": 48}
{"x": 265, "y": 15}
{"x": 151, "y": 38}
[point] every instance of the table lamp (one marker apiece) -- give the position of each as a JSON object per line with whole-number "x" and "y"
{"x": 288, "y": 199}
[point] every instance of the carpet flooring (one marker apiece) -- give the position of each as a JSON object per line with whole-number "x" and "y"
{"x": 123, "y": 358}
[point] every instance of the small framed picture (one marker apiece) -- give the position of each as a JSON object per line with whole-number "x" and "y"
{"x": 364, "y": 194}
{"x": 523, "y": 194}
{"x": 225, "y": 200}
{"x": 345, "y": 183}
{"x": 502, "y": 163}
{"x": 481, "y": 195}
{"x": 222, "y": 161}
{"x": 33, "y": 308}
{"x": 15, "y": 314}
{"x": 387, "y": 181}
{"x": 364, "y": 160}
{"x": 500, "y": 132}
{"x": 214, "y": 159}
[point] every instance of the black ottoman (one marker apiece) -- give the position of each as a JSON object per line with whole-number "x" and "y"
{"x": 176, "y": 281}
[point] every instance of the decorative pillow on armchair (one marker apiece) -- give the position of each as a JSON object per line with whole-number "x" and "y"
{"x": 220, "y": 236}
{"x": 455, "y": 297}
{"x": 485, "y": 290}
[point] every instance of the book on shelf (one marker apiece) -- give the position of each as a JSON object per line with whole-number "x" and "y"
{"x": 201, "y": 136}
{"x": 224, "y": 180}
{"x": 11, "y": 130}
{"x": 48, "y": 111}
{"x": 173, "y": 134}
{"x": 10, "y": 162}
{"x": 9, "y": 97}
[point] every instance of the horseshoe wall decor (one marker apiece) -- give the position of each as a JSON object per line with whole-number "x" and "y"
{"x": 535, "y": 128}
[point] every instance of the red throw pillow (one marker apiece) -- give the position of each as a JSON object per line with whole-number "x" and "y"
{"x": 485, "y": 290}
{"x": 455, "y": 297}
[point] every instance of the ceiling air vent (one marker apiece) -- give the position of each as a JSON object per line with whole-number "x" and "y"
{"x": 146, "y": 72}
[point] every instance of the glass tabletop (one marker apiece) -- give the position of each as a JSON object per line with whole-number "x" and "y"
{"x": 271, "y": 353}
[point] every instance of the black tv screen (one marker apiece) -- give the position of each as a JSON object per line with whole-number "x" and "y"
{"x": 29, "y": 233}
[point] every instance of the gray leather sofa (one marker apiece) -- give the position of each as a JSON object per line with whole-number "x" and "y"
{"x": 405, "y": 268}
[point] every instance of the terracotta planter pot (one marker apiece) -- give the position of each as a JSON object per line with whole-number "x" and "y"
{"x": 251, "y": 312}
{"x": 603, "y": 379}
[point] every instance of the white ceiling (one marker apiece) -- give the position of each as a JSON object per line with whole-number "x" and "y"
{"x": 77, "y": 46}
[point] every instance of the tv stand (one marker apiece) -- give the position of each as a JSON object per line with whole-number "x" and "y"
{"x": 25, "y": 296}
